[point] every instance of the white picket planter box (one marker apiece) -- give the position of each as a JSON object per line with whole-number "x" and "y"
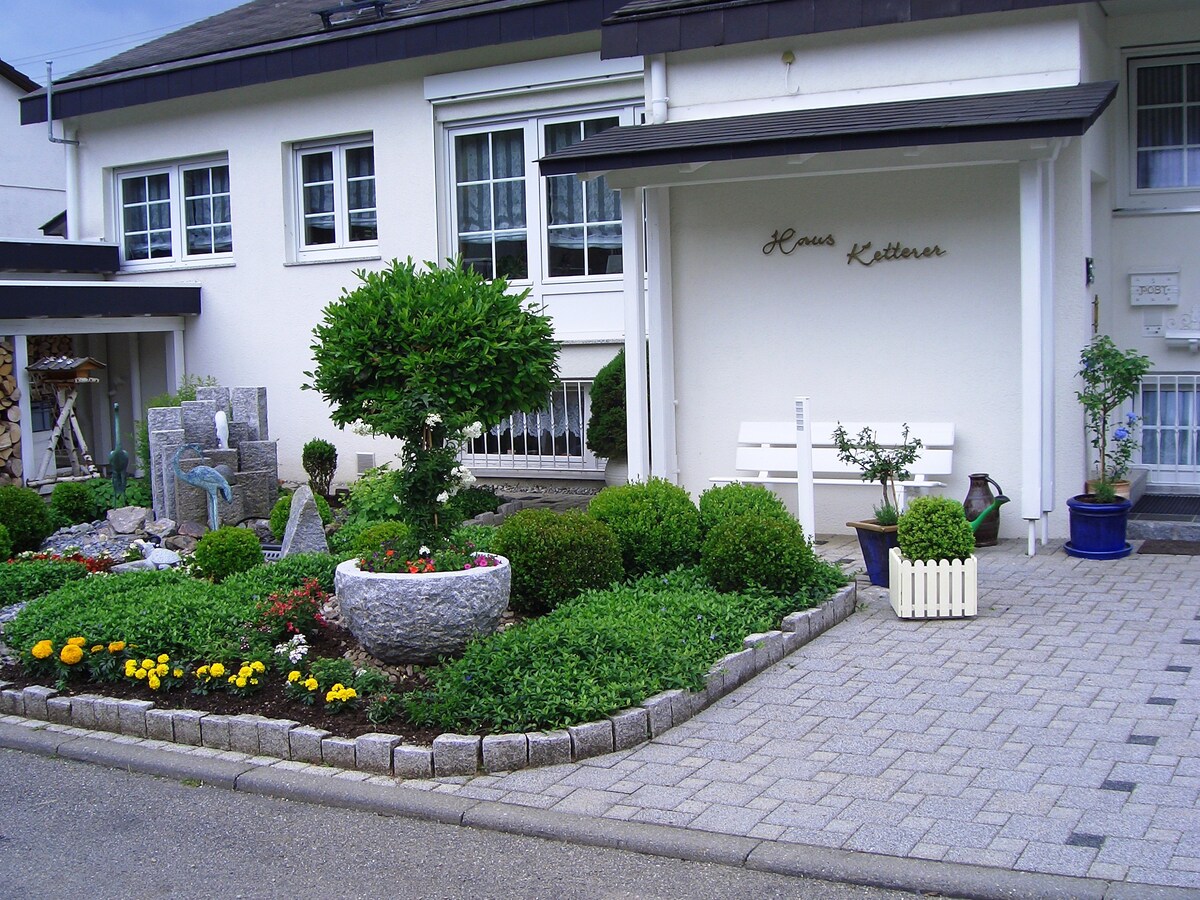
{"x": 933, "y": 590}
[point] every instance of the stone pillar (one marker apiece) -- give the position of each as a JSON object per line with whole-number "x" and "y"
{"x": 164, "y": 425}
{"x": 250, "y": 406}
{"x": 199, "y": 425}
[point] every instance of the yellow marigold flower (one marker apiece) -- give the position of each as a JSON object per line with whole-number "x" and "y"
{"x": 97, "y": 648}
{"x": 178, "y": 673}
{"x": 217, "y": 669}
{"x": 153, "y": 682}
{"x": 42, "y": 649}
{"x": 254, "y": 681}
{"x": 349, "y": 694}
{"x": 147, "y": 664}
{"x": 330, "y": 696}
{"x": 337, "y": 687}
{"x": 162, "y": 657}
{"x": 71, "y": 654}
{"x": 232, "y": 679}
{"x": 311, "y": 684}
{"x": 130, "y": 668}
{"x": 77, "y": 641}
{"x": 293, "y": 676}
{"x": 161, "y": 669}
{"x": 240, "y": 681}
{"x": 257, "y": 666}
{"x": 202, "y": 672}
{"x": 245, "y": 672}
{"x": 139, "y": 674}
{"x": 116, "y": 646}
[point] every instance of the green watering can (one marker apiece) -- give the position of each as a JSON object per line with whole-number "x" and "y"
{"x": 978, "y": 520}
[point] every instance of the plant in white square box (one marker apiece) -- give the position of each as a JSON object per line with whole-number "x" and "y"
{"x": 933, "y": 572}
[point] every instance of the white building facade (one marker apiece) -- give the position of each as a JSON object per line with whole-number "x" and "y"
{"x": 1048, "y": 158}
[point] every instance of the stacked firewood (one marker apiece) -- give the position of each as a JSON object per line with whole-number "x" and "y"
{"x": 10, "y": 418}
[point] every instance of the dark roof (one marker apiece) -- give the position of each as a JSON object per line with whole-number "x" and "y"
{"x": 20, "y": 79}
{"x": 58, "y": 256}
{"x": 663, "y": 26}
{"x": 96, "y": 299}
{"x": 272, "y": 40}
{"x": 1045, "y": 113}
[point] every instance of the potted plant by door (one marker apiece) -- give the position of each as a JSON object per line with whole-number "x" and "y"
{"x": 933, "y": 569}
{"x": 1111, "y": 379}
{"x": 886, "y": 465}
{"x": 606, "y": 427}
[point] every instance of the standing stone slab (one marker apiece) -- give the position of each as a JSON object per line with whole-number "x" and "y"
{"x": 456, "y": 754}
{"x": 304, "y": 532}
{"x": 160, "y": 724}
{"x": 250, "y": 408}
{"x": 216, "y": 395}
{"x": 273, "y": 737}
{"x": 660, "y": 709}
{"x": 164, "y": 425}
{"x": 187, "y": 727}
{"x": 304, "y": 744}
{"x": 163, "y": 455}
{"x": 199, "y": 423}
{"x": 549, "y": 748}
{"x": 505, "y": 752}
{"x": 373, "y": 752}
{"x": 259, "y": 456}
{"x": 132, "y": 716}
{"x": 339, "y": 752}
{"x": 411, "y": 761}
{"x": 630, "y": 728}
{"x": 591, "y": 739}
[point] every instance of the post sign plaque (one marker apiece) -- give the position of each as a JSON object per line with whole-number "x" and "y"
{"x": 1153, "y": 288}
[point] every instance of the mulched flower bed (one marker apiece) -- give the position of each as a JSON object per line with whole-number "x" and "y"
{"x": 271, "y": 700}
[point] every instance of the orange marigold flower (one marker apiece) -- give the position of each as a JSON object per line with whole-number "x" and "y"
{"x": 42, "y": 649}
{"x": 77, "y": 641}
{"x": 71, "y": 654}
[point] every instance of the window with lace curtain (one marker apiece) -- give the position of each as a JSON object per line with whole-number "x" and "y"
{"x": 509, "y": 222}
{"x": 1165, "y": 125}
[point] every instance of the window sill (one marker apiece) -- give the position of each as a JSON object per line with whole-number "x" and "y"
{"x": 334, "y": 257}
{"x": 1133, "y": 211}
{"x": 128, "y": 269}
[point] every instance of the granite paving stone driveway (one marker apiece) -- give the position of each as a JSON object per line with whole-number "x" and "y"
{"x": 1056, "y": 732}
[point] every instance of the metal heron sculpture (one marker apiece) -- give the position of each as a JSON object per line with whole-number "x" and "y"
{"x": 207, "y": 479}
{"x": 118, "y": 459}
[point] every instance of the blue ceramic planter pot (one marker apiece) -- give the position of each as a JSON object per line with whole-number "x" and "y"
{"x": 875, "y": 541}
{"x": 1098, "y": 529}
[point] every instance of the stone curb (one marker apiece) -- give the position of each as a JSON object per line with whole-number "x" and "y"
{"x": 451, "y": 754}
{"x": 263, "y": 777}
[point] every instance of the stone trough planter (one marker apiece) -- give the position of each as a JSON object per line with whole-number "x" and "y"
{"x": 403, "y": 618}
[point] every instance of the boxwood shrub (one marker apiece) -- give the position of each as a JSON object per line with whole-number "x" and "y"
{"x": 25, "y": 515}
{"x": 370, "y": 539}
{"x": 228, "y": 550}
{"x": 725, "y": 501}
{"x": 556, "y": 556}
{"x": 934, "y": 528}
{"x": 71, "y": 502}
{"x": 599, "y": 653}
{"x": 751, "y": 549}
{"x": 5, "y": 544}
{"x": 656, "y": 524}
{"x": 289, "y": 572}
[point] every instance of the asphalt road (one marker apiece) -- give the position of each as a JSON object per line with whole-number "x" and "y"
{"x": 74, "y": 829}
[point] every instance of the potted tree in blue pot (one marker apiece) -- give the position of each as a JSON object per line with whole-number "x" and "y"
{"x": 1111, "y": 378}
{"x": 886, "y": 465}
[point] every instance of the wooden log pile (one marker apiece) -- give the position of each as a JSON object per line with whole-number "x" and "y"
{"x": 11, "y": 467}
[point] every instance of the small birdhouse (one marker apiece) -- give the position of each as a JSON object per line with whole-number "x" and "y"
{"x": 66, "y": 369}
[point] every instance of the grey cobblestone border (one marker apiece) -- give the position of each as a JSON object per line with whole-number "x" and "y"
{"x": 451, "y": 754}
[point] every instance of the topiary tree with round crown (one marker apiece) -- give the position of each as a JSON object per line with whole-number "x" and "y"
{"x": 431, "y": 357}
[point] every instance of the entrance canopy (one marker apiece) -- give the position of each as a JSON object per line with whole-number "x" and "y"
{"x": 981, "y": 118}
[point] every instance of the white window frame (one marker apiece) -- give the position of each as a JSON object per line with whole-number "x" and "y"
{"x": 1185, "y": 197}
{"x": 341, "y": 247}
{"x": 533, "y": 126}
{"x": 174, "y": 171}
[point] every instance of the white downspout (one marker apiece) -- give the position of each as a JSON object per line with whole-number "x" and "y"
{"x": 637, "y": 380}
{"x": 74, "y": 216}
{"x": 658, "y": 89}
{"x": 1032, "y": 218}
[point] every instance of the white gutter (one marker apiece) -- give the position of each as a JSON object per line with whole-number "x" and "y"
{"x": 658, "y": 89}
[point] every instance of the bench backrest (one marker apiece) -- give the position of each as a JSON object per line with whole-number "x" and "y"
{"x": 771, "y": 447}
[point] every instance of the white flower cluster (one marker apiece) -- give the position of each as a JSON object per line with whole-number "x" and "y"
{"x": 433, "y": 419}
{"x": 295, "y": 649}
{"x": 472, "y": 431}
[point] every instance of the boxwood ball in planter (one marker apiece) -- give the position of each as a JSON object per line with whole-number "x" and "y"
{"x": 933, "y": 571}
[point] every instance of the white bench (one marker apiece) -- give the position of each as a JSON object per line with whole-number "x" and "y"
{"x": 790, "y": 453}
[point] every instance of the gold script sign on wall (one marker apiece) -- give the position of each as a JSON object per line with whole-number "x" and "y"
{"x": 787, "y": 241}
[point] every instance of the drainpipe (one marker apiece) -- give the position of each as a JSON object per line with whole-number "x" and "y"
{"x": 72, "y": 160}
{"x": 658, "y": 89}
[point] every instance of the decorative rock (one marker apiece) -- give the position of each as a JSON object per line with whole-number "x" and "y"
{"x": 261, "y": 528}
{"x": 409, "y": 761}
{"x": 549, "y": 748}
{"x": 418, "y": 618}
{"x": 305, "y": 743}
{"x": 162, "y": 558}
{"x": 373, "y": 752}
{"x": 127, "y": 519}
{"x": 181, "y": 542}
{"x": 591, "y": 739}
{"x": 505, "y": 752}
{"x": 192, "y": 530}
{"x": 304, "y": 532}
{"x": 456, "y": 754}
{"x": 630, "y": 728}
{"x": 135, "y": 565}
{"x": 161, "y": 528}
